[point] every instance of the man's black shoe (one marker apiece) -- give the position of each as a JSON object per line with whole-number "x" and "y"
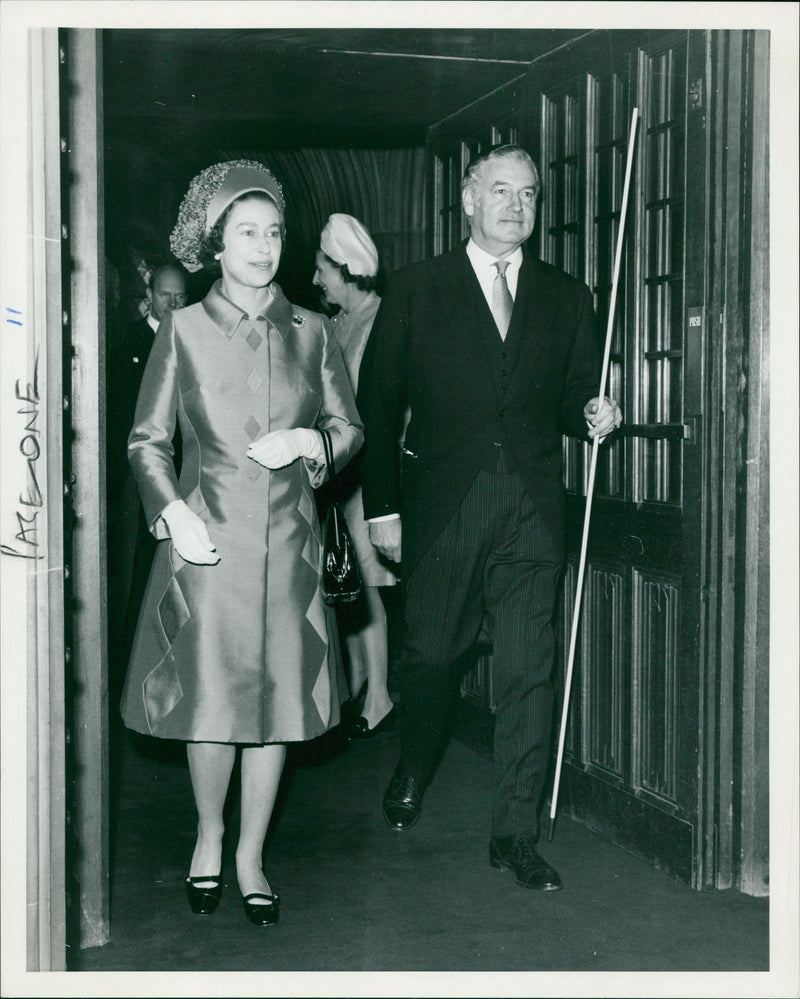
{"x": 519, "y": 854}
{"x": 402, "y": 802}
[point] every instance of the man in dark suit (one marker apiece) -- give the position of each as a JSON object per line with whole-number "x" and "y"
{"x": 166, "y": 291}
{"x": 497, "y": 355}
{"x": 131, "y": 545}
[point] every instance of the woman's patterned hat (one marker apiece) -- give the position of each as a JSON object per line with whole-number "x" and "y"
{"x": 209, "y": 195}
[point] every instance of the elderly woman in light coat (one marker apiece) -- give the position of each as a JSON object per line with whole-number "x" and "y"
{"x": 232, "y": 645}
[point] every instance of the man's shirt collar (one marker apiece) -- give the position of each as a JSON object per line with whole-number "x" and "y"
{"x": 480, "y": 259}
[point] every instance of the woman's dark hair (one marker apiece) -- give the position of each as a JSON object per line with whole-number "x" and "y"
{"x": 364, "y": 282}
{"x": 211, "y": 243}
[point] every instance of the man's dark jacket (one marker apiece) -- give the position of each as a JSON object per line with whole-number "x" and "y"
{"x": 435, "y": 348}
{"x": 126, "y": 362}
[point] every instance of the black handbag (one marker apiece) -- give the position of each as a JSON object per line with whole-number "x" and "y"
{"x": 341, "y": 580}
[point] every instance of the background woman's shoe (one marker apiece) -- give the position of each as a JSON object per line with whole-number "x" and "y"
{"x": 351, "y": 708}
{"x": 262, "y": 913}
{"x": 360, "y": 730}
{"x": 204, "y": 893}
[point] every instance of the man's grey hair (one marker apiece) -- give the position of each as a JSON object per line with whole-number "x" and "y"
{"x": 476, "y": 164}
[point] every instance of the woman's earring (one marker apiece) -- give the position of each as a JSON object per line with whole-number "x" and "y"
{"x": 216, "y": 256}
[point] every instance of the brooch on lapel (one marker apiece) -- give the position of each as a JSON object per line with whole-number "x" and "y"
{"x": 298, "y": 321}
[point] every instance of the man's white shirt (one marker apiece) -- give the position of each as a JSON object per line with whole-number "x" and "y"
{"x": 482, "y": 263}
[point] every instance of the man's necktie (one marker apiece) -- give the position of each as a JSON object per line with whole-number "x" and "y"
{"x": 502, "y": 302}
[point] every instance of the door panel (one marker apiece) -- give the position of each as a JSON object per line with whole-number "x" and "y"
{"x": 630, "y": 642}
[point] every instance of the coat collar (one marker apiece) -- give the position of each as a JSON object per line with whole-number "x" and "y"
{"x": 463, "y": 304}
{"x": 537, "y": 315}
{"x": 226, "y": 316}
{"x": 533, "y": 315}
{"x": 458, "y": 277}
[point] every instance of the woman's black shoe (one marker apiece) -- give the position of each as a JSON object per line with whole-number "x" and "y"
{"x": 265, "y": 914}
{"x": 204, "y": 900}
{"x": 360, "y": 729}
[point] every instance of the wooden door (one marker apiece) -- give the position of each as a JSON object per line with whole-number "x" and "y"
{"x": 633, "y": 740}
{"x": 636, "y": 766}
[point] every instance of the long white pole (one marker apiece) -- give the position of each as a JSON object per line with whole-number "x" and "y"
{"x": 592, "y": 468}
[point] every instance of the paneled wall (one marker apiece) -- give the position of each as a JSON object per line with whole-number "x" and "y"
{"x": 384, "y": 188}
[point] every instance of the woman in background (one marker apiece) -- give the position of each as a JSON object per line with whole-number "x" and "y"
{"x": 232, "y": 645}
{"x": 346, "y": 273}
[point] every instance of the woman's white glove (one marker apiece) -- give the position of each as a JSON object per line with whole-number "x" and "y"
{"x": 189, "y": 534}
{"x": 281, "y": 447}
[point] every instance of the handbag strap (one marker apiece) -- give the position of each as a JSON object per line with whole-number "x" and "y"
{"x": 328, "y": 447}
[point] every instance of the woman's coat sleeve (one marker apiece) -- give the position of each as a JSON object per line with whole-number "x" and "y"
{"x": 150, "y": 449}
{"x": 338, "y": 414}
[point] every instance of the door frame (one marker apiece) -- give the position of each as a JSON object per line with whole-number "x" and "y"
{"x": 31, "y": 511}
{"x": 736, "y": 556}
{"x": 87, "y": 686}
{"x": 53, "y": 516}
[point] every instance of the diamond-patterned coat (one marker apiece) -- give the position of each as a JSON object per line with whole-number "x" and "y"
{"x": 244, "y": 650}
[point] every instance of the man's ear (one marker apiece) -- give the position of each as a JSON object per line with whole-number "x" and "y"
{"x": 468, "y": 201}
{"x": 149, "y": 294}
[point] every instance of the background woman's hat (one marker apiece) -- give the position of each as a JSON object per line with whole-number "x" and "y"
{"x": 345, "y": 240}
